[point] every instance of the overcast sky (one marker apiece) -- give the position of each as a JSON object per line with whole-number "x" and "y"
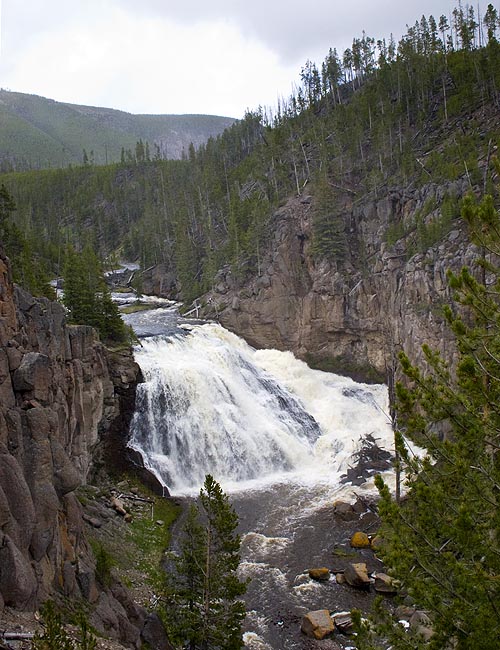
{"x": 183, "y": 56}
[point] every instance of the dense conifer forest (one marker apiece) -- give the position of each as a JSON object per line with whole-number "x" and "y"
{"x": 40, "y": 133}
{"x": 382, "y": 113}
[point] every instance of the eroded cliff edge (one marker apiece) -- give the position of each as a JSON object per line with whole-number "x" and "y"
{"x": 61, "y": 394}
{"x": 351, "y": 316}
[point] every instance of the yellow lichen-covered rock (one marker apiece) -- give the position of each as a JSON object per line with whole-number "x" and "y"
{"x": 321, "y": 573}
{"x": 360, "y": 540}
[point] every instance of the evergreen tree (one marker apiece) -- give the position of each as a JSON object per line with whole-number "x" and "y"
{"x": 87, "y": 297}
{"x": 27, "y": 269}
{"x": 55, "y": 637}
{"x": 186, "y": 588}
{"x": 204, "y": 611}
{"x": 491, "y": 22}
{"x": 7, "y": 206}
{"x": 329, "y": 239}
{"x": 443, "y": 541}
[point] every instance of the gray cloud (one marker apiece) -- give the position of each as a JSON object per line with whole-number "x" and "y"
{"x": 131, "y": 54}
{"x": 293, "y": 28}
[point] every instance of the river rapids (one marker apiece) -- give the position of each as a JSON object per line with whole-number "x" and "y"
{"x": 278, "y": 436}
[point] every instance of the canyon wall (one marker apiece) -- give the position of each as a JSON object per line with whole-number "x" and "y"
{"x": 349, "y": 316}
{"x": 61, "y": 393}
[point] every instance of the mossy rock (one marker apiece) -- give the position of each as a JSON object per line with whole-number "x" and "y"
{"x": 321, "y": 574}
{"x": 360, "y": 540}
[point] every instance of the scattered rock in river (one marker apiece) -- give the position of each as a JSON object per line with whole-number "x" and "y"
{"x": 320, "y": 574}
{"x": 343, "y": 622}
{"x": 422, "y": 624}
{"x": 340, "y": 579}
{"x": 345, "y": 510}
{"x": 404, "y": 612}
{"x": 360, "y": 540}
{"x": 384, "y": 584}
{"x": 356, "y": 575}
{"x": 317, "y": 624}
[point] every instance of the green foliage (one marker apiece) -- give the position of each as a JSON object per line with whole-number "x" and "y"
{"x": 329, "y": 238}
{"x": 443, "y": 541}
{"x": 38, "y": 133}
{"x": 150, "y": 539}
{"x": 395, "y": 231}
{"x": 55, "y": 637}
{"x": 430, "y": 231}
{"x": 87, "y": 640}
{"x": 28, "y": 269}
{"x": 203, "y": 607}
{"x": 7, "y": 205}
{"x": 87, "y": 297}
{"x": 104, "y": 563}
{"x": 427, "y": 227}
{"x": 383, "y": 114}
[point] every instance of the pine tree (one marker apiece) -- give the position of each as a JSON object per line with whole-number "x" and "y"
{"x": 7, "y": 205}
{"x": 27, "y": 269}
{"x": 204, "y": 610}
{"x": 491, "y": 22}
{"x": 55, "y": 637}
{"x": 185, "y": 588}
{"x": 329, "y": 239}
{"x": 87, "y": 297}
{"x": 443, "y": 541}
{"x": 81, "y": 282}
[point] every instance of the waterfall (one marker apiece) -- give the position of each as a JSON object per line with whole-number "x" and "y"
{"x": 281, "y": 439}
{"x": 212, "y": 404}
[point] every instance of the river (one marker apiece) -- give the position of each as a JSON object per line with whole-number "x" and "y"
{"x": 278, "y": 436}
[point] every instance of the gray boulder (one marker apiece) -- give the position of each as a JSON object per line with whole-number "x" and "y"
{"x": 33, "y": 375}
{"x": 153, "y": 633}
{"x": 17, "y": 579}
{"x": 356, "y": 575}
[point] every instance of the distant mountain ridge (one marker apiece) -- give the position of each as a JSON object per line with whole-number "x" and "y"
{"x": 36, "y": 132}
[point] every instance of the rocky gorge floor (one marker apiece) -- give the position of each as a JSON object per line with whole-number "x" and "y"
{"x": 331, "y": 568}
{"x": 127, "y": 527}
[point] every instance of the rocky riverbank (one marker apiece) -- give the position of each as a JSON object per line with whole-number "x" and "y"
{"x": 65, "y": 405}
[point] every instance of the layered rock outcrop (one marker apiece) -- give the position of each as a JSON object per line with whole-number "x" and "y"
{"x": 61, "y": 391}
{"x": 349, "y": 316}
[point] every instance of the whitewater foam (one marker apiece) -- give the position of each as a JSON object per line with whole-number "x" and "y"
{"x": 212, "y": 404}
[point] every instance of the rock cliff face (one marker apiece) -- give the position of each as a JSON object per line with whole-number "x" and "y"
{"x": 60, "y": 393}
{"x": 349, "y": 316}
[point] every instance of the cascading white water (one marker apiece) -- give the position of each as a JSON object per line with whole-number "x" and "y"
{"x": 212, "y": 404}
{"x": 277, "y": 435}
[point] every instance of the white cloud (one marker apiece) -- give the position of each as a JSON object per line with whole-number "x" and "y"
{"x": 149, "y": 64}
{"x": 180, "y": 56}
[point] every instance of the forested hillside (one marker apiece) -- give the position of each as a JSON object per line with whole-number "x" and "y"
{"x": 381, "y": 115}
{"x": 36, "y": 133}
{"x": 329, "y": 226}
